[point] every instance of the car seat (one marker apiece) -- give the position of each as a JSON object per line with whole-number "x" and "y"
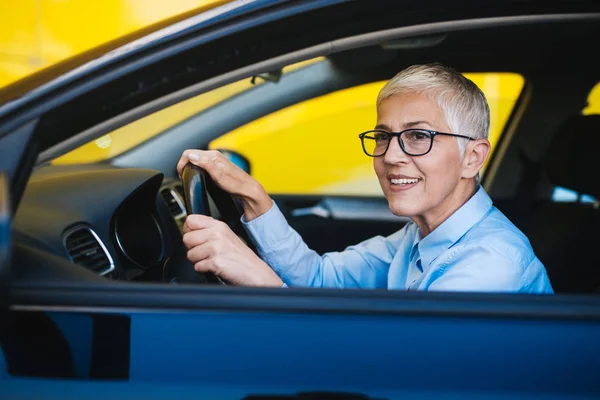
{"x": 566, "y": 236}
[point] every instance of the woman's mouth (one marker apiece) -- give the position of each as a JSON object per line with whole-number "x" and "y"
{"x": 400, "y": 184}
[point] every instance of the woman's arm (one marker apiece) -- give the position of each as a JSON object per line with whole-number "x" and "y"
{"x": 364, "y": 265}
{"x": 214, "y": 248}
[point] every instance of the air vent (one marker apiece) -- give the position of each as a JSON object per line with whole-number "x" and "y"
{"x": 173, "y": 202}
{"x": 179, "y": 190}
{"x": 85, "y": 248}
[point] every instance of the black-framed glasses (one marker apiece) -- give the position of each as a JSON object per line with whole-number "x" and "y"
{"x": 414, "y": 142}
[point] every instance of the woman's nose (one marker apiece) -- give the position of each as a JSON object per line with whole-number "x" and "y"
{"x": 394, "y": 153}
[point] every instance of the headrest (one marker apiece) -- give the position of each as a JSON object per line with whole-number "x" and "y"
{"x": 573, "y": 158}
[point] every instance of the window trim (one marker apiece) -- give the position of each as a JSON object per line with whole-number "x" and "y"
{"x": 144, "y": 298}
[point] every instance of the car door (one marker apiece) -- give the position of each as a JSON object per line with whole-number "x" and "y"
{"x": 188, "y": 342}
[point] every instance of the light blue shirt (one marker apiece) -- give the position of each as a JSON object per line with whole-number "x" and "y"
{"x": 476, "y": 249}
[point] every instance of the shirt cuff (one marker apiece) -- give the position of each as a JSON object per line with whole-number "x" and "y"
{"x": 245, "y": 222}
{"x": 267, "y": 229}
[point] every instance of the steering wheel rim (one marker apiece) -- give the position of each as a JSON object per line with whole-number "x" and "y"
{"x": 203, "y": 196}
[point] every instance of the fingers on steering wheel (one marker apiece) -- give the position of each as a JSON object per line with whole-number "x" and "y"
{"x": 185, "y": 159}
{"x": 202, "y": 158}
{"x": 198, "y": 221}
{"x": 182, "y": 162}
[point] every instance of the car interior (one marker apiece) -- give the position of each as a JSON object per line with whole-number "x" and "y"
{"x": 120, "y": 218}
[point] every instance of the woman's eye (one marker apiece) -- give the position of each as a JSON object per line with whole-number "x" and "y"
{"x": 380, "y": 137}
{"x": 416, "y": 135}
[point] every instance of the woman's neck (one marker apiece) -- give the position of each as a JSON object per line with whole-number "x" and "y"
{"x": 433, "y": 218}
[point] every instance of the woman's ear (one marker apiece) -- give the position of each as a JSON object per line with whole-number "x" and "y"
{"x": 476, "y": 154}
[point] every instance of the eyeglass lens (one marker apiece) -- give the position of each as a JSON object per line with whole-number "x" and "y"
{"x": 415, "y": 142}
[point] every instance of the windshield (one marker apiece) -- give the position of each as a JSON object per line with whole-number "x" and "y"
{"x": 139, "y": 131}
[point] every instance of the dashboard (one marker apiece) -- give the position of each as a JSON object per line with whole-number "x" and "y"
{"x": 115, "y": 223}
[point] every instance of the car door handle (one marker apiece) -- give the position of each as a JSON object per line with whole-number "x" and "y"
{"x": 317, "y": 211}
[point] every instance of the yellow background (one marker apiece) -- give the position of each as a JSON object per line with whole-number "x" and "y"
{"x": 37, "y": 33}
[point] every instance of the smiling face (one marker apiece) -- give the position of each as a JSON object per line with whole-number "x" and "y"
{"x": 427, "y": 188}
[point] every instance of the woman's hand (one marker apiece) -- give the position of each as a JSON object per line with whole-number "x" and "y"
{"x": 231, "y": 179}
{"x": 213, "y": 247}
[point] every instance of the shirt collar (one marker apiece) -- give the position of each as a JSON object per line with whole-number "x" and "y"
{"x": 415, "y": 247}
{"x": 453, "y": 228}
{"x": 416, "y": 241}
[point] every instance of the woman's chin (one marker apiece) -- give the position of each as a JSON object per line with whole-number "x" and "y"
{"x": 405, "y": 202}
{"x": 401, "y": 209}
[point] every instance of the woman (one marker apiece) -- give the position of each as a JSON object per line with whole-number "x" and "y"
{"x": 428, "y": 146}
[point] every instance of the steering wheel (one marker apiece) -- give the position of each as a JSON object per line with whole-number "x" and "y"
{"x": 203, "y": 196}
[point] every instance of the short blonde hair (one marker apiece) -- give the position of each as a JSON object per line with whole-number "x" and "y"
{"x": 464, "y": 105}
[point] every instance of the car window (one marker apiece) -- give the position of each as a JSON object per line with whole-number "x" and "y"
{"x": 316, "y": 141}
{"x": 137, "y": 132}
{"x": 564, "y": 195}
{"x": 561, "y": 194}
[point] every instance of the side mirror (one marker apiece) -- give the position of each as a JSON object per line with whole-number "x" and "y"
{"x": 237, "y": 159}
{"x": 5, "y": 222}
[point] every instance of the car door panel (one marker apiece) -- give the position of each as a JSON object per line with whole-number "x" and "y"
{"x": 232, "y": 349}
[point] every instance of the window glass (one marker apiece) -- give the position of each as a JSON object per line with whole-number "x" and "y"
{"x": 135, "y": 133}
{"x": 561, "y": 194}
{"x": 316, "y": 142}
{"x": 564, "y": 195}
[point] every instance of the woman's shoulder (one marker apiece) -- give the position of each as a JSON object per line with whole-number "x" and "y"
{"x": 498, "y": 234}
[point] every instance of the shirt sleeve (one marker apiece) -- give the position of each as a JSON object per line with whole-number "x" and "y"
{"x": 364, "y": 265}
